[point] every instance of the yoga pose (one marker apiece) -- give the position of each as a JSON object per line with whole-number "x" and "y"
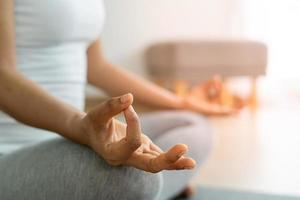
{"x": 48, "y": 50}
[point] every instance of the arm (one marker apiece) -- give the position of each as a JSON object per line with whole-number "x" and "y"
{"x": 116, "y": 81}
{"x": 29, "y": 104}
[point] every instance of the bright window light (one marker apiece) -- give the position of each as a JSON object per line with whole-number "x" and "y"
{"x": 278, "y": 24}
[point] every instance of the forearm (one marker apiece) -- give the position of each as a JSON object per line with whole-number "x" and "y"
{"x": 116, "y": 81}
{"x": 31, "y": 105}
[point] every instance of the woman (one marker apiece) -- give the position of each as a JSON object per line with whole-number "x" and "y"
{"x": 45, "y": 49}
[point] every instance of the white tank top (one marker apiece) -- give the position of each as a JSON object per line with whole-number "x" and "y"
{"x": 52, "y": 37}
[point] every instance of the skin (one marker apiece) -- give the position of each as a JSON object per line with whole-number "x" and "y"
{"x": 116, "y": 142}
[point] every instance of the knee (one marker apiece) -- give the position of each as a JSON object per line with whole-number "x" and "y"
{"x": 148, "y": 186}
{"x": 131, "y": 184}
{"x": 125, "y": 183}
{"x": 198, "y": 135}
{"x": 182, "y": 118}
{"x": 202, "y": 146}
{"x": 64, "y": 170}
{"x": 190, "y": 128}
{"x": 192, "y": 118}
{"x": 98, "y": 180}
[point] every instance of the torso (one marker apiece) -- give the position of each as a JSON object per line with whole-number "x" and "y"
{"x": 52, "y": 37}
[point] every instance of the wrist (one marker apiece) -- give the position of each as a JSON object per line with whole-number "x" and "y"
{"x": 77, "y": 128}
{"x": 179, "y": 102}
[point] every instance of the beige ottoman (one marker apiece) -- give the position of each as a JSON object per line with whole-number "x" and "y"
{"x": 196, "y": 61}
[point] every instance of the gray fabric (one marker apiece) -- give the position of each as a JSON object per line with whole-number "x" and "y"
{"x": 170, "y": 127}
{"x": 60, "y": 169}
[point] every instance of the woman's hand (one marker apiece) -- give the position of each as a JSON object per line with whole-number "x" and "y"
{"x": 121, "y": 144}
{"x": 206, "y": 108}
{"x": 208, "y": 99}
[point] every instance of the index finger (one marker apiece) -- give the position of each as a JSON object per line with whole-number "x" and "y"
{"x": 133, "y": 140}
{"x": 133, "y": 129}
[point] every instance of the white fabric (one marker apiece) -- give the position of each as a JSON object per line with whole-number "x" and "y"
{"x": 52, "y": 37}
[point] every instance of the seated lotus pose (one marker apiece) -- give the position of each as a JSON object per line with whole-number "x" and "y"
{"x": 48, "y": 49}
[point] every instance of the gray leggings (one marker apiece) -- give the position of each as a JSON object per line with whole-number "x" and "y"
{"x": 59, "y": 169}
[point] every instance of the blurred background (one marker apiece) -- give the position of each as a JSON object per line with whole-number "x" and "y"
{"x": 256, "y": 150}
{"x": 135, "y": 24}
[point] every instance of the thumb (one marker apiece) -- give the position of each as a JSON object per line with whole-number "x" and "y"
{"x": 111, "y": 107}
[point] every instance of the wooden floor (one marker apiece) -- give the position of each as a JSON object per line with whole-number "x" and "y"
{"x": 258, "y": 151}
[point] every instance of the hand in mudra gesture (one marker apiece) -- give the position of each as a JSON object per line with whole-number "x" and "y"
{"x": 207, "y": 99}
{"x": 121, "y": 144}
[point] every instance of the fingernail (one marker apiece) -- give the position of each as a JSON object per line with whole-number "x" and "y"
{"x": 125, "y": 98}
{"x": 132, "y": 111}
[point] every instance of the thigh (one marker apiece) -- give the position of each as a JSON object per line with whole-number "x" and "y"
{"x": 155, "y": 124}
{"x": 196, "y": 133}
{"x": 199, "y": 141}
{"x": 173, "y": 127}
{"x": 60, "y": 169}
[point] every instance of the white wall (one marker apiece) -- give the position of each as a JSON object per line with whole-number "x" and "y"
{"x": 276, "y": 22}
{"x": 132, "y": 25}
